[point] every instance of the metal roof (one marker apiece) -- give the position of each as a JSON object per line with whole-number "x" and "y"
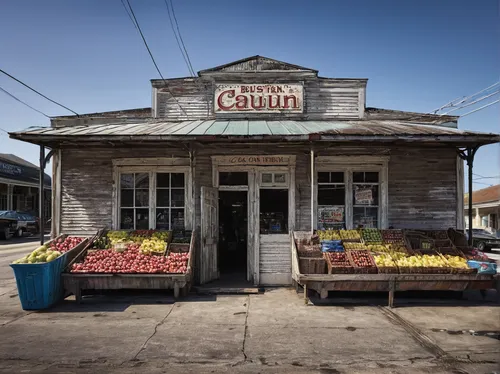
{"x": 258, "y": 129}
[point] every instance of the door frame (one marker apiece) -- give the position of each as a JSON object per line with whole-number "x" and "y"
{"x": 222, "y": 163}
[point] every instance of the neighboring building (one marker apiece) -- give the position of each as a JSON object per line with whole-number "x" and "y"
{"x": 19, "y": 185}
{"x": 248, "y": 151}
{"x": 485, "y": 208}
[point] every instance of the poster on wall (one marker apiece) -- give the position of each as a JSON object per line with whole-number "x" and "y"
{"x": 330, "y": 216}
{"x": 363, "y": 196}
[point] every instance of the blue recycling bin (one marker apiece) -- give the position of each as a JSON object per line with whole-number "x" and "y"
{"x": 39, "y": 286}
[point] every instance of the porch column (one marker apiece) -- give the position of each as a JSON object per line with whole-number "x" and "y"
{"x": 312, "y": 190}
{"x": 10, "y": 195}
{"x": 468, "y": 154}
{"x": 477, "y": 218}
{"x": 41, "y": 194}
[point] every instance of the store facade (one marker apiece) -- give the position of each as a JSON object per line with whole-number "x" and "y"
{"x": 248, "y": 152}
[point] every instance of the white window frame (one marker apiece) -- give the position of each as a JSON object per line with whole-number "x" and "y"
{"x": 152, "y": 170}
{"x": 348, "y": 165}
{"x": 344, "y": 184}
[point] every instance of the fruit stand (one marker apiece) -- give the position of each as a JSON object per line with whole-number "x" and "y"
{"x": 385, "y": 261}
{"x": 123, "y": 263}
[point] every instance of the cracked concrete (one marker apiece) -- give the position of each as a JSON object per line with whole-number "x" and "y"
{"x": 271, "y": 332}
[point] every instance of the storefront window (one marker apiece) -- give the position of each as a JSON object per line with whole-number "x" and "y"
{"x": 348, "y": 199}
{"x": 331, "y": 200}
{"x": 233, "y": 178}
{"x": 134, "y": 201}
{"x": 170, "y": 197}
{"x": 136, "y": 190}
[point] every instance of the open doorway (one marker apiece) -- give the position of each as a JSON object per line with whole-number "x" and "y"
{"x": 233, "y": 233}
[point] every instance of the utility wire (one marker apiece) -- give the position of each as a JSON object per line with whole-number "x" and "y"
{"x": 473, "y": 102}
{"x": 480, "y": 108}
{"x": 22, "y": 102}
{"x": 464, "y": 99}
{"x": 180, "y": 37}
{"x": 128, "y": 13}
{"x": 191, "y": 72}
{"x": 152, "y": 58}
{"x": 42, "y": 95}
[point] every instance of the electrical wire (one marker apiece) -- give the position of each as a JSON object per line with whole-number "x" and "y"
{"x": 480, "y": 108}
{"x": 464, "y": 99}
{"x": 473, "y": 102}
{"x": 180, "y": 37}
{"x": 42, "y": 95}
{"x": 128, "y": 13}
{"x": 152, "y": 58}
{"x": 191, "y": 72}
{"x": 22, "y": 102}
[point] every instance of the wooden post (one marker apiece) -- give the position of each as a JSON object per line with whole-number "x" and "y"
{"x": 306, "y": 299}
{"x": 41, "y": 193}
{"x": 312, "y": 191}
{"x": 468, "y": 154}
{"x": 392, "y": 287}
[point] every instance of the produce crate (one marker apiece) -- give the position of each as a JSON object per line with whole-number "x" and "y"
{"x": 437, "y": 234}
{"x": 373, "y": 236}
{"x": 181, "y": 236}
{"x": 345, "y": 237}
{"x": 336, "y": 267}
{"x": 39, "y": 285}
{"x": 388, "y": 269}
{"x": 309, "y": 251}
{"x": 372, "y": 269}
{"x": 450, "y": 251}
{"x": 392, "y": 236}
{"x": 424, "y": 270}
{"x": 309, "y": 265}
{"x": 440, "y": 243}
{"x": 178, "y": 248}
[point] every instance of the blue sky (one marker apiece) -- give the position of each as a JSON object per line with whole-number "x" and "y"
{"x": 417, "y": 55}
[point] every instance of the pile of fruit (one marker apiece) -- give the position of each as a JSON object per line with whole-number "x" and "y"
{"x": 350, "y": 235}
{"x": 396, "y": 247}
{"x": 117, "y": 236}
{"x": 131, "y": 261}
{"x": 457, "y": 262}
{"x": 41, "y": 254}
{"x": 392, "y": 236}
{"x": 153, "y": 245}
{"x": 362, "y": 259}
{"x": 384, "y": 260}
{"x": 328, "y": 235}
{"x": 338, "y": 259}
{"x": 354, "y": 245}
{"x": 101, "y": 243}
{"x": 377, "y": 248}
{"x": 161, "y": 235}
{"x": 138, "y": 236}
{"x": 66, "y": 244}
{"x": 422, "y": 261}
{"x": 372, "y": 236}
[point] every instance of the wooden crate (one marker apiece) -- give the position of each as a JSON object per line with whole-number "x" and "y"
{"x": 310, "y": 265}
{"x": 360, "y": 269}
{"x": 336, "y": 268}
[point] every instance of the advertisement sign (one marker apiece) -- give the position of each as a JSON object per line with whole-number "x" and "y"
{"x": 331, "y": 214}
{"x": 10, "y": 169}
{"x": 262, "y": 98}
{"x": 363, "y": 196}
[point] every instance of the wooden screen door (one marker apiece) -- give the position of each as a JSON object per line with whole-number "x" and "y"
{"x": 209, "y": 233}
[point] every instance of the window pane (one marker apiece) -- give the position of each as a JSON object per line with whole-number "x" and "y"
{"x": 233, "y": 179}
{"x": 178, "y": 198}
{"x": 365, "y": 217}
{"x": 279, "y": 178}
{"x": 127, "y": 181}
{"x": 371, "y": 177}
{"x": 365, "y": 194}
{"x": 323, "y": 177}
{"x": 331, "y": 195}
{"x": 142, "y": 219}
{"x": 142, "y": 180}
{"x": 126, "y": 198}
{"x": 337, "y": 177}
{"x": 163, "y": 198}
{"x": 267, "y": 178}
{"x": 126, "y": 219}
{"x": 162, "y": 219}
{"x": 177, "y": 219}
{"x": 163, "y": 180}
{"x": 358, "y": 177}
{"x": 331, "y": 217}
{"x": 141, "y": 197}
{"x": 177, "y": 179}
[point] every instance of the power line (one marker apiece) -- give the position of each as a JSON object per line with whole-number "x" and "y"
{"x": 128, "y": 13}
{"x": 480, "y": 108}
{"x": 464, "y": 99}
{"x": 178, "y": 41}
{"x": 22, "y": 102}
{"x": 180, "y": 37}
{"x": 42, "y": 95}
{"x": 152, "y": 58}
{"x": 473, "y": 102}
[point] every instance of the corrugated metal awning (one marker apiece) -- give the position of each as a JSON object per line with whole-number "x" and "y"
{"x": 257, "y": 129}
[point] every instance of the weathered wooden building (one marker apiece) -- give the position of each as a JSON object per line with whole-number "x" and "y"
{"x": 248, "y": 151}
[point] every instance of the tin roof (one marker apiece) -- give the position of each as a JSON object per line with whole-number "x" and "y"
{"x": 257, "y": 129}
{"x": 484, "y": 195}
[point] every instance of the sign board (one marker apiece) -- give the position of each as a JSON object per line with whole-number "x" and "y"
{"x": 261, "y": 98}
{"x": 330, "y": 214}
{"x": 255, "y": 160}
{"x": 363, "y": 196}
{"x": 10, "y": 169}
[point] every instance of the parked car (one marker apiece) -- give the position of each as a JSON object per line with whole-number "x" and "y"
{"x": 483, "y": 240}
{"x": 8, "y": 227}
{"x": 24, "y": 222}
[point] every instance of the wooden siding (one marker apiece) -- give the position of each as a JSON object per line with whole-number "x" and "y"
{"x": 423, "y": 188}
{"x": 275, "y": 261}
{"x": 323, "y": 98}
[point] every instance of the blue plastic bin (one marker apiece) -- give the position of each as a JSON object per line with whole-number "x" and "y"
{"x": 483, "y": 267}
{"x": 39, "y": 285}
